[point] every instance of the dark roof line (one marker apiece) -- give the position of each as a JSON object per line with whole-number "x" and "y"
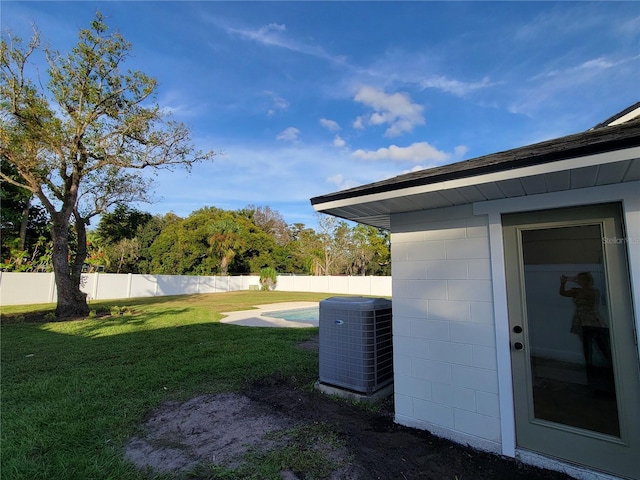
{"x": 618, "y": 115}
{"x": 591, "y": 142}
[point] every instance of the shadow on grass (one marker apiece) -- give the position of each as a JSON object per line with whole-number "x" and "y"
{"x": 73, "y": 392}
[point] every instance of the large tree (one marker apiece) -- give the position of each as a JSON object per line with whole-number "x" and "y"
{"x": 80, "y": 144}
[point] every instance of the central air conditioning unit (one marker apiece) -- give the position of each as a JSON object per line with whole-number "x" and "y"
{"x": 356, "y": 343}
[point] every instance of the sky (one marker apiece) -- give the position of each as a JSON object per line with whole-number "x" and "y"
{"x": 301, "y": 99}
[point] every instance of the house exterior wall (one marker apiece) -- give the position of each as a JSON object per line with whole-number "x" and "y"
{"x": 445, "y": 368}
{"x": 451, "y": 333}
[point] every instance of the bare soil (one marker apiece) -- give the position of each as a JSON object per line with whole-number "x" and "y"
{"x": 220, "y": 429}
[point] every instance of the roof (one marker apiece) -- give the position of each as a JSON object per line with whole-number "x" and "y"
{"x": 538, "y": 168}
{"x": 624, "y": 116}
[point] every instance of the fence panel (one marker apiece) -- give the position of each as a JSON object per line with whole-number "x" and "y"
{"x": 206, "y": 284}
{"x": 29, "y": 288}
{"x": 380, "y": 286}
{"x": 143, "y": 286}
{"x": 320, "y": 284}
{"x": 109, "y": 286}
{"x": 176, "y": 285}
{"x": 359, "y": 285}
{"x": 26, "y": 288}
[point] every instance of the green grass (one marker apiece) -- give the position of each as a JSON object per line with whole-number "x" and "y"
{"x": 73, "y": 392}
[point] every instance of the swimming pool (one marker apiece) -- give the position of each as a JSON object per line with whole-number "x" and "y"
{"x": 308, "y": 314}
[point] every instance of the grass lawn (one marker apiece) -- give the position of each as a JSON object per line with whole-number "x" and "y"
{"x": 73, "y": 392}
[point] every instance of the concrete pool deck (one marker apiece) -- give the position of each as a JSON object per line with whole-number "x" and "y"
{"x": 256, "y": 317}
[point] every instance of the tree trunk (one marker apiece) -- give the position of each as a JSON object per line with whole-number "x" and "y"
{"x": 24, "y": 224}
{"x": 81, "y": 249}
{"x": 224, "y": 265}
{"x": 72, "y": 302}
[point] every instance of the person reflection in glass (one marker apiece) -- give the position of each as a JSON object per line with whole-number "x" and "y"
{"x": 588, "y": 324}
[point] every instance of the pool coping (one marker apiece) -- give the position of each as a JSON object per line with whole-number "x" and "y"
{"x": 256, "y": 317}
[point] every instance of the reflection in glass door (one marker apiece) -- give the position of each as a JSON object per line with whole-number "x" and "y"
{"x": 575, "y": 368}
{"x": 570, "y": 346}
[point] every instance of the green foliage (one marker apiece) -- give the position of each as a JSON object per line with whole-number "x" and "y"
{"x": 212, "y": 241}
{"x": 25, "y": 233}
{"x": 115, "y": 244}
{"x": 146, "y": 235}
{"x": 268, "y": 278}
{"x": 116, "y": 310}
{"x": 123, "y": 223}
{"x": 36, "y": 259}
{"x": 370, "y": 252}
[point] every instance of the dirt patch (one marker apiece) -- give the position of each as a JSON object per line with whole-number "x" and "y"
{"x": 215, "y": 429}
{"x": 221, "y": 429}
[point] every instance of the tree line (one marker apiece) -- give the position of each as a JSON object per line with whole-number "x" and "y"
{"x": 209, "y": 241}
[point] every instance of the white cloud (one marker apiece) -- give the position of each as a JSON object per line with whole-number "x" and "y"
{"x": 330, "y": 125}
{"x": 176, "y": 102}
{"x": 460, "y": 151}
{"x": 277, "y": 103}
{"x": 273, "y": 34}
{"x": 413, "y": 169}
{"x": 580, "y": 72}
{"x": 456, "y": 87}
{"x": 396, "y": 110}
{"x": 417, "y": 152}
{"x": 549, "y": 86}
{"x": 628, "y": 27}
{"x": 267, "y": 34}
{"x": 289, "y": 134}
{"x": 358, "y": 123}
{"x": 340, "y": 182}
{"x": 339, "y": 142}
{"x": 597, "y": 64}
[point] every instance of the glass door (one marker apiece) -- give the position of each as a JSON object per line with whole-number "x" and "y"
{"x": 574, "y": 357}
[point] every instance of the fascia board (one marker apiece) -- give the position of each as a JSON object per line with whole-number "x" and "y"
{"x": 558, "y": 166}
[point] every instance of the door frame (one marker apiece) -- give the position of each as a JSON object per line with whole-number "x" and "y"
{"x": 609, "y": 450}
{"x": 627, "y": 195}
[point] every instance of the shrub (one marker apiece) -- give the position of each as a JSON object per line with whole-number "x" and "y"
{"x": 115, "y": 310}
{"x": 268, "y": 278}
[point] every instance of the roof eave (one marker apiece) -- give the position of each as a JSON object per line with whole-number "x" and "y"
{"x": 577, "y": 145}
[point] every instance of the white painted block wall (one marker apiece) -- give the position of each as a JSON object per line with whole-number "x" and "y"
{"x": 445, "y": 366}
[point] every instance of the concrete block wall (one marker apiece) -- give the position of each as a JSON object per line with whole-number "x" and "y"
{"x": 445, "y": 362}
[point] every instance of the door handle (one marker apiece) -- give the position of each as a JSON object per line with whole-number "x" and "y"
{"x": 518, "y": 346}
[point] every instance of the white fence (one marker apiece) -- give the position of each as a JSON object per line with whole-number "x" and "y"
{"x": 30, "y": 288}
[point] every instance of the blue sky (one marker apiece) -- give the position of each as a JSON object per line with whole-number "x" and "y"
{"x": 307, "y": 98}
